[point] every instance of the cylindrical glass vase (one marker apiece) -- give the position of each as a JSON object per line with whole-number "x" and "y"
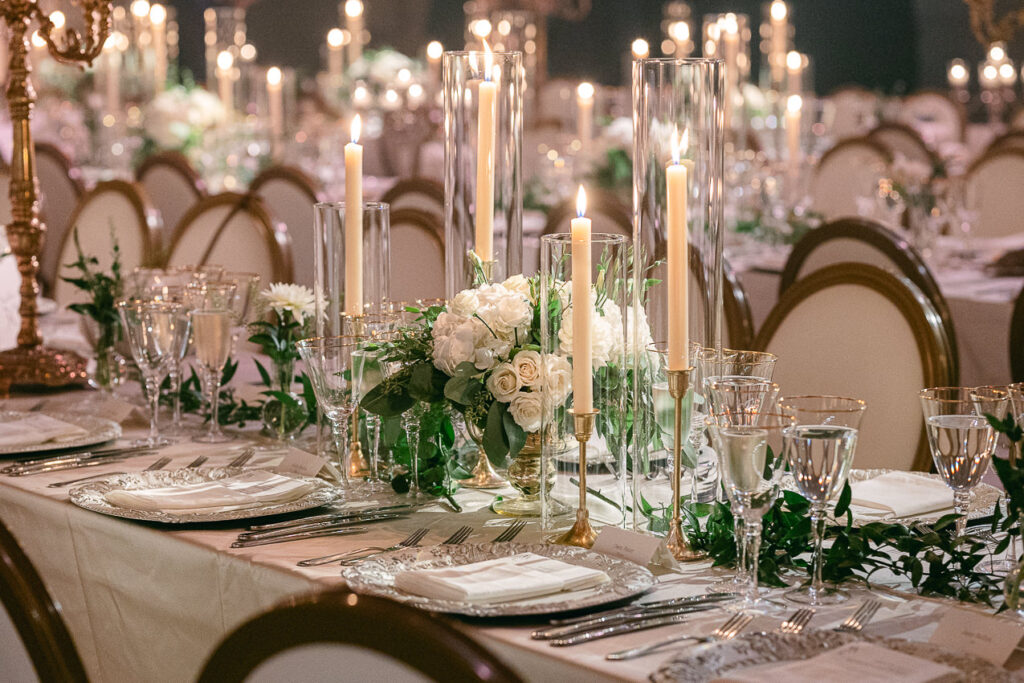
{"x": 483, "y": 179}
{"x": 605, "y": 467}
{"x": 727, "y": 37}
{"x": 677, "y": 123}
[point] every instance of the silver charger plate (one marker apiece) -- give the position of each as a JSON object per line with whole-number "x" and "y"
{"x": 697, "y": 665}
{"x": 91, "y": 496}
{"x": 100, "y": 431}
{"x": 377, "y": 577}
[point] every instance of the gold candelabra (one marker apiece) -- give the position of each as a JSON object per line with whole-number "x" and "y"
{"x": 31, "y": 363}
{"x": 677, "y": 542}
{"x": 987, "y": 29}
{"x": 581, "y": 533}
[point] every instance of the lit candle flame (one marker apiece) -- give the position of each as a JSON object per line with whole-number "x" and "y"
{"x": 679, "y": 144}
{"x": 793, "y": 60}
{"x": 225, "y": 61}
{"x": 273, "y": 76}
{"x": 585, "y": 91}
{"x": 794, "y": 103}
{"x": 357, "y": 125}
{"x": 335, "y": 37}
{"x": 779, "y": 10}
{"x": 581, "y": 202}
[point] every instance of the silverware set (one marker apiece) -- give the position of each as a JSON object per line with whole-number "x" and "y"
{"x": 340, "y": 525}
{"x": 727, "y": 631}
{"x": 856, "y": 622}
{"x": 71, "y": 461}
{"x": 244, "y": 457}
{"x": 157, "y": 465}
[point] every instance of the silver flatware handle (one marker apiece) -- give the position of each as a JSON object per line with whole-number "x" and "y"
{"x": 565, "y": 631}
{"x": 618, "y": 630}
{"x": 23, "y": 465}
{"x": 635, "y": 652}
{"x": 347, "y": 531}
{"x": 330, "y": 516}
{"x": 76, "y": 464}
{"x": 69, "y": 482}
{"x": 329, "y": 559}
{"x": 348, "y": 521}
{"x": 356, "y": 560}
{"x": 640, "y": 607}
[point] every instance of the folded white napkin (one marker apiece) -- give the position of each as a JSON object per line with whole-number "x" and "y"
{"x": 38, "y": 429}
{"x": 859, "y": 661}
{"x": 250, "y": 489}
{"x": 515, "y": 577}
{"x": 899, "y": 494}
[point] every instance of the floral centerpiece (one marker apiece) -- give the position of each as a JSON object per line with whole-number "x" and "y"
{"x": 177, "y": 119}
{"x": 612, "y": 161}
{"x": 381, "y": 69}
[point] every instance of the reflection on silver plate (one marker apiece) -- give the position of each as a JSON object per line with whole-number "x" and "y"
{"x": 707, "y": 663}
{"x": 983, "y": 498}
{"x": 100, "y": 431}
{"x": 377, "y": 577}
{"x": 91, "y": 496}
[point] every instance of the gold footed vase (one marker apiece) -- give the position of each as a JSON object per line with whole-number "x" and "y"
{"x": 525, "y": 476}
{"x": 483, "y": 475}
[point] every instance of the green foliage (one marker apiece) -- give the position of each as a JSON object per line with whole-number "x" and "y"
{"x": 102, "y": 289}
{"x": 788, "y": 231}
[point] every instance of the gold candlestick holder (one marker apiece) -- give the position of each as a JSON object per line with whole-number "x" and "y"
{"x": 483, "y": 475}
{"x": 581, "y": 534}
{"x": 358, "y": 467}
{"x": 677, "y": 542}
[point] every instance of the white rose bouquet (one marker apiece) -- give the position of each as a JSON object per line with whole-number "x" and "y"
{"x": 178, "y": 117}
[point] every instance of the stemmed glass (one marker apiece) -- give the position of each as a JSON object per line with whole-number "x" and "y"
{"x": 961, "y": 441}
{"x": 156, "y": 331}
{"x": 820, "y": 449}
{"x": 997, "y": 401}
{"x": 212, "y": 341}
{"x": 367, "y": 373}
{"x": 411, "y": 419}
{"x": 328, "y": 363}
{"x": 247, "y": 287}
{"x": 174, "y": 293}
{"x": 750, "y": 458}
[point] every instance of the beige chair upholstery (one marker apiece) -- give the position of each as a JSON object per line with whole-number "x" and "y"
{"x": 1017, "y": 120}
{"x": 289, "y": 194}
{"x": 172, "y": 185}
{"x": 902, "y": 140}
{"x": 114, "y": 209}
{"x": 934, "y": 115}
{"x": 417, "y": 256}
{"x": 849, "y": 170}
{"x": 993, "y": 189}
{"x": 841, "y": 329}
{"x": 234, "y": 231}
{"x": 421, "y": 194}
{"x": 60, "y": 189}
{"x": 856, "y": 111}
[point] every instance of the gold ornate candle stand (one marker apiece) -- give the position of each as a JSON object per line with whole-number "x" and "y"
{"x": 581, "y": 533}
{"x": 677, "y": 542}
{"x": 31, "y": 363}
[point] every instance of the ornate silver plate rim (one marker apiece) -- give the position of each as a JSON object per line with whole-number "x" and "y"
{"x": 983, "y": 498}
{"x": 100, "y": 431}
{"x": 753, "y": 649}
{"x": 90, "y": 496}
{"x": 377, "y": 577}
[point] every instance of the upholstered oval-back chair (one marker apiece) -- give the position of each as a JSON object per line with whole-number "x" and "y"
{"x": 289, "y": 193}
{"x": 171, "y": 183}
{"x": 902, "y": 140}
{"x": 993, "y": 189}
{"x": 851, "y": 169}
{"x": 935, "y": 115}
{"x": 60, "y": 190}
{"x": 417, "y": 255}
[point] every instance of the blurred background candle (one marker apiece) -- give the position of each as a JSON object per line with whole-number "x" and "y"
{"x": 225, "y": 82}
{"x": 582, "y": 353}
{"x": 434, "y": 52}
{"x": 354, "y": 24}
{"x": 585, "y": 114}
{"x": 485, "y": 161}
{"x": 640, "y": 48}
{"x": 794, "y": 72}
{"x": 276, "y": 104}
{"x": 794, "y": 103}
{"x": 778, "y": 13}
{"x": 958, "y": 74}
{"x": 335, "y": 56}
{"x": 676, "y": 190}
{"x": 354, "y": 222}
{"x": 112, "y": 73}
{"x": 158, "y": 22}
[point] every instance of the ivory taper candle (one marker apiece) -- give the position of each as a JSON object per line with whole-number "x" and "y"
{"x": 582, "y": 351}
{"x": 585, "y": 115}
{"x": 276, "y": 104}
{"x": 780, "y": 38}
{"x": 676, "y": 190}
{"x": 354, "y": 222}
{"x": 158, "y": 21}
{"x": 485, "y": 161}
{"x": 794, "y": 103}
{"x": 354, "y": 24}
{"x": 335, "y": 54}
{"x": 225, "y": 80}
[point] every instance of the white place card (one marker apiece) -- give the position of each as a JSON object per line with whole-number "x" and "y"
{"x": 973, "y": 633}
{"x": 628, "y": 545}
{"x": 302, "y": 463}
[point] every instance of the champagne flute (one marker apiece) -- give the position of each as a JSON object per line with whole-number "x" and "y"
{"x": 367, "y": 373}
{"x": 961, "y": 441}
{"x": 819, "y": 449}
{"x": 997, "y": 401}
{"x": 155, "y": 332}
{"x": 212, "y": 341}
{"x": 750, "y": 458}
{"x": 174, "y": 293}
{"x": 411, "y": 426}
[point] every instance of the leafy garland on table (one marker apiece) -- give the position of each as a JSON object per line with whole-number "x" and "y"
{"x": 104, "y": 290}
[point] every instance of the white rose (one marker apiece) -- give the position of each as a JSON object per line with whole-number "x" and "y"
{"x": 527, "y": 410}
{"x": 558, "y": 378}
{"x": 465, "y": 303}
{"x": 518, "y": 284}
{"x": 512, "y": 314}
{"x": 527, "y": 365}
{"x": 565, "y": 335}
{"x": 504, "y": 383}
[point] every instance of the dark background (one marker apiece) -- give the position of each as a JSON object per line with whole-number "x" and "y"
{"x": 892, "y": 45}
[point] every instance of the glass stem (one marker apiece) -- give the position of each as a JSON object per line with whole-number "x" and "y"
{"x": 372, "y": 434}
{"x": 752, "y": 533}
{"x": 738, "y": 526}
{"x": 411, "y": 423}
{"x": 817, "y": 559}
{"x": 338, "y": 431}
{"x": 175, "y": 381}
{"x": 153, "y": 390}
{"x": 961, "y": 499}
{"x": 214, "y": 404}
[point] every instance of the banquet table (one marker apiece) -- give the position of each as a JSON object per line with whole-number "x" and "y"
{"x": 146, "y": 602}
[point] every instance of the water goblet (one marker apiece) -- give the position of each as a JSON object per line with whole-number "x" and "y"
{"x": 750, "y": 458}
{"x": 740, "y": 395}
{"x": 819, "y": 449}
{"x": 367, "y": 373}
{"x": 212, "y": 341}
{"x": 961, "y": 441}
{"x": 411, "y": 419}
{"x": 155, "y": 331}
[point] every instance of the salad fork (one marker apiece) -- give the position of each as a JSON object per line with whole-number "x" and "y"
{"x": 243, "y": 457}
{"x": 411, "y": 541}
{"x": 510, "y": 532}
{"x": 198, "y": 462}
{"x": 798, "y": 622}
{"x": 727, "y": 631}
{"x": 460, "y": 535}
{"x": 856, "y": 622}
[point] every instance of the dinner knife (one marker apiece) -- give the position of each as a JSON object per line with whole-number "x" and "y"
{"x": 73, "y": 461}
{"x": 76, "y": 455}
{"x": 561, "y": 632}
{"x": 328, "y": 524}
{"x": 642, "y": 606}
{"x": 620, "y": 629}
{"x": 345, "y": 531}
{"x": 330, "y": 516}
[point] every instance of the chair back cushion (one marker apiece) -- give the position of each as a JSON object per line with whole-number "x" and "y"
{"x": 172, "y": 185}
{"x": 856, "y": 330}
{"x": 333, "y": 663}
{"x": 934, "y": 115}
{"x": 903, "y": 141}
{"x": 855, "y": 111}
{"x": 849, "y": 170}
{"x": 60, "y": 190}
{"x": 993, "y": 189}
{"x": 417, "y": 256}
{"x": 289, "y": 195}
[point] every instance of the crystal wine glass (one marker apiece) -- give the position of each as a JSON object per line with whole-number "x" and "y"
{"x": 411, "y": 426}
{"x": 155, "y": 332}
{"x": 750, "y": 458}
{"x": 961, "y": 441}
{"x": 997, "y": 401}
{"x": 212, "y": 341}
{"x": 819, "y": 449}
{"x": 367, "y": 373}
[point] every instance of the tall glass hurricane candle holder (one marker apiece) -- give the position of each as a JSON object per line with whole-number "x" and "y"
{"x": 483, "y": 179}
{"x": 676, "y": 263}
{"x": 727, "y": 37}
{"x": 602, "y": 476}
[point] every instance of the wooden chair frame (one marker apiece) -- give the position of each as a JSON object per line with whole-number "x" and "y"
{"x": 276, "y": 240}
{"x": 894, "y": 247}
{"x": 903, "y": 128}
{"x": 425, "y": 186}
{"x": 426, "y": 642}
{"x": 296, "y": 176}
{"x": 1017, "y": 339}
{"x": 36, "y": 616}
{"x": 928, "y": 328}
{"x": 147, "y": 215}
{"x": 1001, "y": 141}
{"x": 992, "y": 154}
{"x": 931, "y": 92}
{"x": 177, "y": 162}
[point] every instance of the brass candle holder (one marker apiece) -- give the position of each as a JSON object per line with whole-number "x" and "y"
{"x": 677, "y": 542}
{"x": 30, "y": 363}
{"x": 358, "y": 467}
{"x": 581, "y": 534}
{"x": 483, "y": 475}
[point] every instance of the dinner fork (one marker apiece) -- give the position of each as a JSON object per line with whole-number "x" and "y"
{"x": 510, "y": 532}
{"x": 856, "y": 622}
{"x": 727, "y": 631}
{"x": 411, "y": 541}
{"x": 460, "y": 535}
{"x": 798, "y": 622}
{"x": 158, "y": 465}
{"x": 244, "y": 457}
{"x": 198, "y": 462}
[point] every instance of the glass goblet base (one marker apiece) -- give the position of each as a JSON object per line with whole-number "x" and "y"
{"x": 216, "y": 437}
{"x": 154, "y": 442}
{"x": 733, "y": 584}
{"x": 826, "y": 595}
